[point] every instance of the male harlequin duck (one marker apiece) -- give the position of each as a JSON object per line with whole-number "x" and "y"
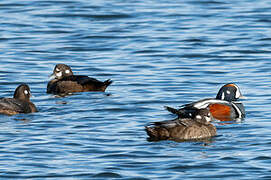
{"x": 224, "y": 107}
{"x": 20, "y": 103}
{"x": 182, "y": 129}
{"x": 65, "y": 82}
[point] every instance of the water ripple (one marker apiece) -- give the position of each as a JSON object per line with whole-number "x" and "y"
{"x": 157, "y": 54}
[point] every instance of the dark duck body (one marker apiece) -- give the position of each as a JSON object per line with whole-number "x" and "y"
{"x": 224, "y": 107}
{"x": 65, "y": 82}
{"x": 183, "y": 129}
{"x": 20, "y": 103}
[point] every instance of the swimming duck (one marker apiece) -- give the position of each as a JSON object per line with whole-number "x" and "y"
{"x": 182, "y": 129}
{"x": 224, "y": 107}
{"x": 65, "y": 82}
{"x": 20, "y": 103}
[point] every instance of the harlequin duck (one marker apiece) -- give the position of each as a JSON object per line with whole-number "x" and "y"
{"x": 20, "y": 103}
{"x": 224, "y": 107}
{"x": 65, "y": 82}
{"x": 181, "y": 129}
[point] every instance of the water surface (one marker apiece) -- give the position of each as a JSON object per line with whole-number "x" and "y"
{"x": 157, "y": 53}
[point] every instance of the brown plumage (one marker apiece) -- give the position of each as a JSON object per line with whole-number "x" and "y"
{"x": 181, "y": 129}
{"x": 65, "y": 82}
{"x": 20, "y": 103}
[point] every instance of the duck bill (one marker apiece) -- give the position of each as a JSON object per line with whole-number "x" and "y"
{"x": 242, "y": 97}
{"x": 52, "y": 76}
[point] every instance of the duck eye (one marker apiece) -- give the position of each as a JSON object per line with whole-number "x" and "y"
{"x": 25, "y": 92}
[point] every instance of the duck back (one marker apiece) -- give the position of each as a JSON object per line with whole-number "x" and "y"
{"x": 11, "y": 106}
{"x": 76, "y": 83}
{"x": 180, "y": 129}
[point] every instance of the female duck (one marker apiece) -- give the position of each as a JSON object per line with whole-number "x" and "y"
{"x": 20, "y": 103}
{"x": 181, "y": 129}
{"x": 65, "y": 82}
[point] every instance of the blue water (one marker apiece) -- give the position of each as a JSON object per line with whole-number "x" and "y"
{"x": 158, "y": 53}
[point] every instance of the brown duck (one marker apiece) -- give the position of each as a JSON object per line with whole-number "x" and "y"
{"x": 182, "y": 129}
{"x": 65, "y": 82}
{"x": 20, "y": 103}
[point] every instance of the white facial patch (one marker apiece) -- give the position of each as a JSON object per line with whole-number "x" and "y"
{"x": 26, "y": 92}
{"x": 57, "y": 69}
{"x": 228, "y": 92}
{"x": 190, "y": 114}
{"x": 67, "y": 71}
{"x": 59, "y": 74}
{"x": 238, "y": 93}
{"x": 198, "y": 117}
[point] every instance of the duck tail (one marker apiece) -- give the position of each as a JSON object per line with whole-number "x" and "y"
{"x": 181, "y": 113}
{"x": 108, "y": 82}
{"x": 157, "y": 133}
{"x": 172, "y": 110}
{"x": 151, "y": 132}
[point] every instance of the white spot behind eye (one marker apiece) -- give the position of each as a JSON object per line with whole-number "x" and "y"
{"x": 190, "y": 114}
{"x": 67, "y": 71}
{"x": 223, "y": 96}
{"x": 25, "y": 91}
{"x": 228, "y": 92}
{"x": 208, "y": 119}
{"x": 198, "y": 117}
